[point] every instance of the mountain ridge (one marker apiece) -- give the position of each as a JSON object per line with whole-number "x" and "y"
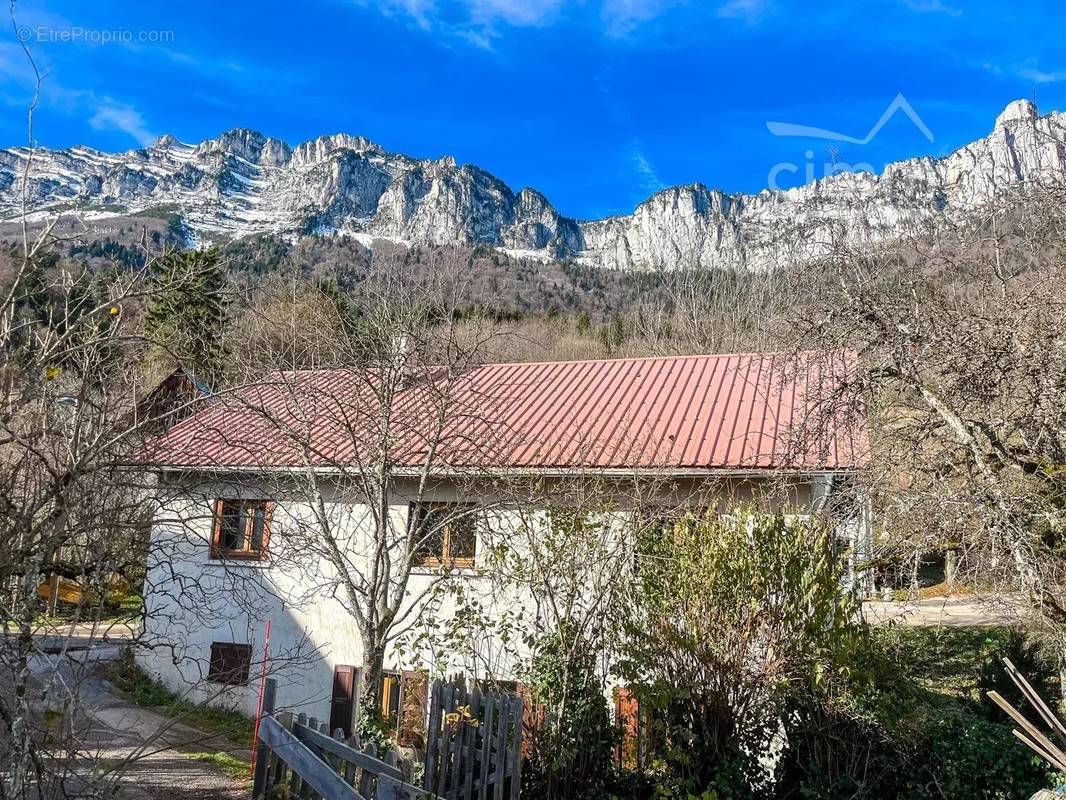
{"x": 244, "y": 182}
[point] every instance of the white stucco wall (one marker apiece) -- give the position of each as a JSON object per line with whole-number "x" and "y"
{"x": 193, "y": 600}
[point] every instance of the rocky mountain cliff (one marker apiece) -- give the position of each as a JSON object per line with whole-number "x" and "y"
{"x": 244, "y": 183}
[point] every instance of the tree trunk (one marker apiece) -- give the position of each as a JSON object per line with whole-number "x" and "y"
{"x": 951, "y": 564}
{"x": 373, "y": 666}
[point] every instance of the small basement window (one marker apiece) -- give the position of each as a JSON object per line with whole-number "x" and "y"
{"x": 230, "y": 663}
{"x": 446, "y": 534}
{"x": 242, "y": 528}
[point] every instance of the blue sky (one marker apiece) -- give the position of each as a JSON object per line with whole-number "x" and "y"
{"x": 597, "y": 103}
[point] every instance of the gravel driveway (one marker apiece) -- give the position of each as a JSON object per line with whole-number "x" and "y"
{"x": 110, "y": 731}
{"x": 962, "y": 611}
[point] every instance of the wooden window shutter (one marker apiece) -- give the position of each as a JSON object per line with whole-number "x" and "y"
{"x": 216, "y": 530}
{"x": 627, "y": 715}
{"x": 268, "y": 518}
{"x": 531, "y": 718}
{"x": 414, "y": 708}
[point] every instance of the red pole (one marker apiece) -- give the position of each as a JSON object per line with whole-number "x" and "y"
{"x": 259, "y": 705}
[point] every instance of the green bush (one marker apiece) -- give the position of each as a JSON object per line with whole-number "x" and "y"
{"x": 574, "y": 740}
{"x": 883, "y": 735}
{"x": 734, "y": 615}
{"x": 1026, "y": 654}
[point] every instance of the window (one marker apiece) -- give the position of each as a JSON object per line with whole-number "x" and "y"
{"x": 446, "y": 534}
{"x": 230, "y": 663}
{"x": 242, "y": 528}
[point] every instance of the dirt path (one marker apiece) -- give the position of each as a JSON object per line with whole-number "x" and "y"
{"x": 964, "y": 611}
{"x": 160, "y": 766}
{"x": 112, "y": 731}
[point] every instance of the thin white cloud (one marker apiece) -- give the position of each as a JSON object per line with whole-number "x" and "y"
{"x": 932, "y": 7}
{"x": 622, "y": 17}
{"x": 421, "y": 11}
{"x": 746, "y": 10}
{"x": 649, "y": 178}
{"x": 476, "y": 22}
{"x": 520, "y": 13}
{"x": 480, "y": 22}
{"x": 121, "y": 117}
{"x": 1040, "y": 76}
{"x": 478, "y": 37}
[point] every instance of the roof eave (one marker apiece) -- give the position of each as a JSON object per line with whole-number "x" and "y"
{"x": 414, "y": 472}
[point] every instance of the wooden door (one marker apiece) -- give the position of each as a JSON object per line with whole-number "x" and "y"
{"x": 343, "y": 702}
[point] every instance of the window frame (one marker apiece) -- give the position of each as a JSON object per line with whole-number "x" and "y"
{"x": 236, "y": 676}
{"x": 220, "y": 553}
{"x": 445, "y": 559}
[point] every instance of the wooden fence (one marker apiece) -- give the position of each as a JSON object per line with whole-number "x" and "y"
{"x": 301, "y": 759}
{"x": 474, "y": 743}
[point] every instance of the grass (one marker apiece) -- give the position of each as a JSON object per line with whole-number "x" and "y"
{"x": 234, "y": 767}
{"x": 945, "y": 660}
{"x": 129, "y": 679}
{"x": 128, "y": 609}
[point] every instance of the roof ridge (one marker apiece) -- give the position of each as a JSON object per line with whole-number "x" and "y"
{"x": 607, "y": 360}
{"x": 747, "y": 353}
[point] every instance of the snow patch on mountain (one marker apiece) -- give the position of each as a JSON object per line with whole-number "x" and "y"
{"x": 243, "y": 183}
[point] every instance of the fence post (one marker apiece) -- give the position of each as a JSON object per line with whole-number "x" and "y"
{"x": 262, "y": 753}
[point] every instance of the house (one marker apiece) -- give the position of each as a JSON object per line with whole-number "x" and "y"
{"x": 170, "y": 398}
{"x": 249, "y": 485}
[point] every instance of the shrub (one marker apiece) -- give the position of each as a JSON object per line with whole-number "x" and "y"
{"x": 574, "y": 739}
{"x": 1026, "y": 654}
{"x": 735, "y": 614}
{"x": 879, "y": 734}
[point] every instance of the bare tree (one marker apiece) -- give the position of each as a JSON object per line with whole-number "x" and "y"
{"x": 962, "y": 345}
{"x": 367, "y": 414}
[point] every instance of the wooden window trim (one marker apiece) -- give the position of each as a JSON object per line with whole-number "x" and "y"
{"x": 218, "y": 552}
{"x": 445, "y": 559}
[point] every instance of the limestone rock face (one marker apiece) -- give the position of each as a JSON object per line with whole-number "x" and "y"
{"x": 244, "y": 183}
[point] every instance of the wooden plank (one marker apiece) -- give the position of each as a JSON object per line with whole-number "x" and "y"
{"x": 316, "y": 740}
{"x": 346, "y": 768}
{"x": 1044, "y": 754}
{"x": 491, "y": 701}
{"x": 1049, "y": 746}
{"x": 332, "y": 759}
{"x": 1035, "y": 700}
{"x": 516, "y": 748}
{"x": 317, "y": 775}
{"x": 499, "y": 757}
{"x": 366, "y": 781}
{"x": 391, "y": 789}
{"x": 432, "y": 734}
{"x": 262, "y": 755}
{"x": 350, "y": 772}
{"x": 444, "y": 746}
{"x": 469, "y": 738}
{"x": 299, "y": 786}
{"x": 455, "y": 754}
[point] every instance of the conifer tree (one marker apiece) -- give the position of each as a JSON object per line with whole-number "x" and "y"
{"x": 185, "y": 316}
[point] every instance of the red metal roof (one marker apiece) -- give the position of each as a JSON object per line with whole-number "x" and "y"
{"x": 715, "y": 412}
